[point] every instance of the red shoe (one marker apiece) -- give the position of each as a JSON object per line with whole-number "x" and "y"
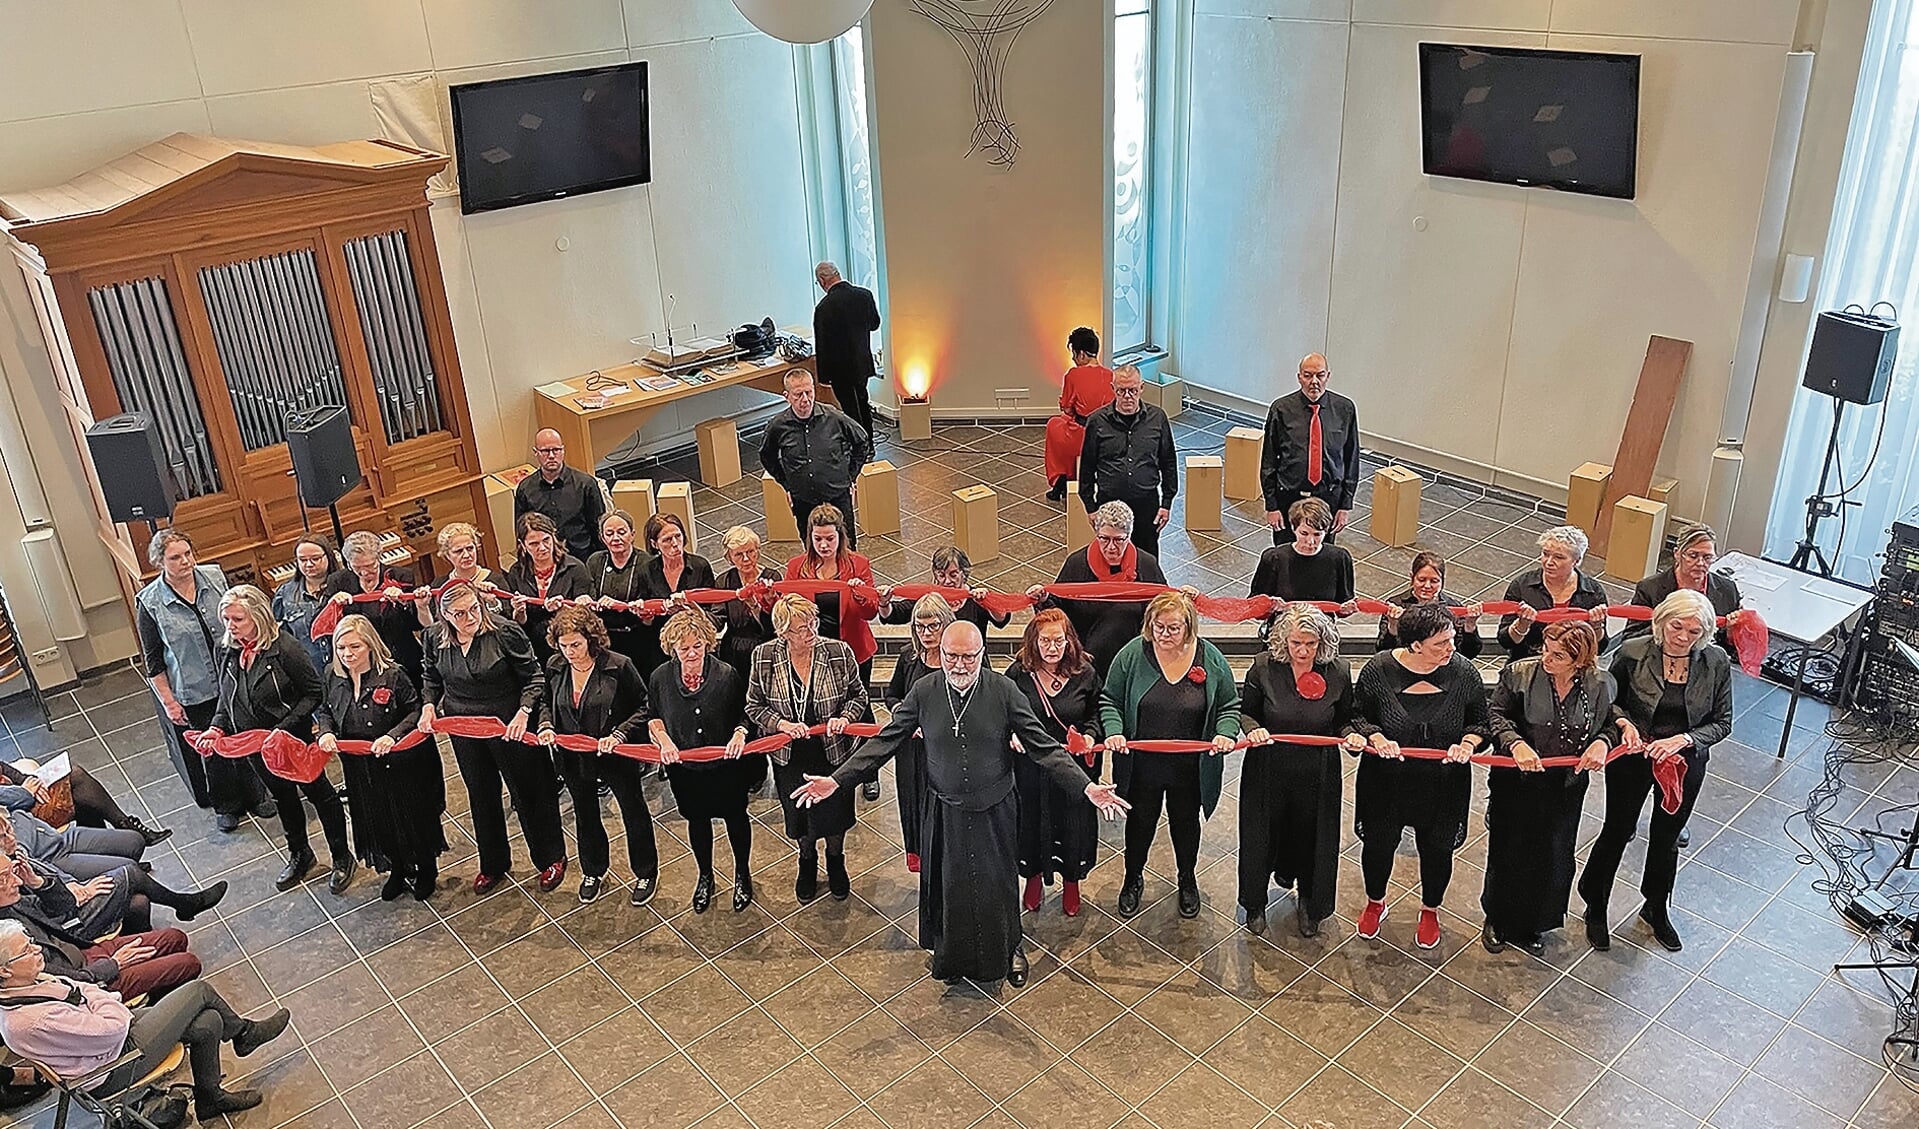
{"x": 1427, "y": 934}
{"x": 1369, "y": 919}
{"x": 1035, "y": 893}
{"x": 484, "y": 883}
{"x": 912, "y": 863}
{"x": 552, "y": 876}
{"x": 1069, "y": 898}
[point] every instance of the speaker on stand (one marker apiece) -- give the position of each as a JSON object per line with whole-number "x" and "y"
{"x": 325, "y": 466}
{"x": 1851, "y": 360}
{"x": 133, "y": 472}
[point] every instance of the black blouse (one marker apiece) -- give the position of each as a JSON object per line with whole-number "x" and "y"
{"x": 495, "y": 676}
{"x": 1173, "y": 711}
{"x": 1466, "y": 640}
{"x": 696, "y": 719}
{"x": 1076, "y": 705}
{"x": 1286, "y": 574}
{"x": 744, "y": 626}
{"x": 613, "y": 703}
{"x": 364, "y": 717}
{"x": 1669, "y": 716}
{"x": 1530, "y": 588}
{"x": 569, "y": 581}
{"x": 908, "y": 669}
{"x": 696, "y": 573}
{"x": 1270, "y": 699}
{"x": 1104, "y": 626}
{"x": 1383, "y": 704}
{"x": 397, "y": 622}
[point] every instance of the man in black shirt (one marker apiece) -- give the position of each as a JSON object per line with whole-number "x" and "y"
{"x": 1128, "y": 457}
{"x": 843, "y": 324}
{"x": 814, "y": 452}
{"x": 570, "y": 497}
{"x": 1311, "y": 450}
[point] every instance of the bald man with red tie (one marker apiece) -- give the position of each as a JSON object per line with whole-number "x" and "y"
{"x": 1311, "y": 450}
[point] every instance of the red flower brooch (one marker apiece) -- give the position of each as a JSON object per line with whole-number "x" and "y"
{"x": 1197, "y": 676}
{"x": 1311, "y": 686}
{"x": 382, "y": 695}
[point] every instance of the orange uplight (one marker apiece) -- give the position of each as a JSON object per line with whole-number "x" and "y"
{"x": 917, "y": 380}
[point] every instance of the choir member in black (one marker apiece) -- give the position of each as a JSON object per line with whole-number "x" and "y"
{"x": 1429, "y": 587}
{"x": 1058, "y": 836}
{"x": 1311, "y": 449}
{"x": 1289, "y": 795}
{"x": 971, "y": 718}
{"x": 394, "y": 617}
{"x": 1105, "y": 626}
{"x": 1559, "y": 704}
{"x": 799, "y": 680}
{"x": 458, "y": 543}
{"x": 547, "y": 576}
{"x": 398, "y": 796}
{"x": 1428, "y": 696}
{"x": 615, "y": 573}
{"x": 952, "y": 568}
{"x": 1556, "y": 583}
{"x": 1168, "y": 684}
{"x": 931, "y": 617}
{"x": 700, "y": 702}
{"x": 1307, "y": 567}
{"x": 1692, "y": 560}
{"x": 744, "y": 624}
{"x": 594, "y": 691}
{"x": 670, "y": 571}
{"x": 479, "y": 665}
{"x": 1675, "y": 692}
{"x": 268, "y": 682}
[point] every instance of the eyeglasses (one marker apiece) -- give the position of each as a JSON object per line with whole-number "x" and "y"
{"x": 1129, "y": 392}
{"x": 965, "y": 658}
{"x": 469, "y": 612}
{"x": 549, "y": 450}
{"x": 1170, "y": 629}
{"x": 1112, "y": 539}
{"x": 1700, "y": 556}
{"x": 933, "y": 625}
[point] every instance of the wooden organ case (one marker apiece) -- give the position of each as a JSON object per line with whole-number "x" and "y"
{"x": 219, "y": 285}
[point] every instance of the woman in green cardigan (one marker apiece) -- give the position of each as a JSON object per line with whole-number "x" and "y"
{"x": 1169, "y": 684}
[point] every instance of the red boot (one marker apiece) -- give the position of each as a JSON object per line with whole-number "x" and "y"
{"x": 1035, "y": 891}
{"x": 912, "y": 863}
{"x": 1069, "y": 898}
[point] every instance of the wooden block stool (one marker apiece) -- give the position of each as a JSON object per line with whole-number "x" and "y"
{"x": 878, "y": 503}
{"x": 719, "y": 443}
{"x": 1242, "y": 463}
{"x": 1585, "y": 493}
{"x": 499, "y": 509}
{"x": 1079, "y": 528}
{"x": 916, "y": 419}
{"x": 1205, "y": 476}
{"x": 780, "y": 525}
{"x": 1661, "y": 490}
{"x": 1638, "y": 534}
{"x": 635, "y": 496}
{"x": 976, "y": 522}
{"x": 1396, "y": 506}
{"x": 677, "y": 498}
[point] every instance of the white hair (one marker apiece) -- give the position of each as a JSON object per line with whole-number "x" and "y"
{"x": 1571, "y": 537}
{"x": 826, "y": 272}
{"x": 1684, "y": 604}
{"x": 1114, "y": 515}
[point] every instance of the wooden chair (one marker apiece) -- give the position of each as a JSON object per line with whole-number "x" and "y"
{"x": 113, "y": 1103}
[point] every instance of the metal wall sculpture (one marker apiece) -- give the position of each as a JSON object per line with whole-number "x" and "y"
{"x": 986, "y": 30}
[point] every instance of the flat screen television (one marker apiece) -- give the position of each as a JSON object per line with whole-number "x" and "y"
{"x": 1549, "y": 119}
{"x": 543, "y": 137}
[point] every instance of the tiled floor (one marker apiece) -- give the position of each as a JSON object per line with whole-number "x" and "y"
{"x": 526, "y": 1010}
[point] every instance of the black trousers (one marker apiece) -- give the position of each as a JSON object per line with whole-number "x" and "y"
{"x": 1145, "y": 517}
{"x": 1629, "y": 781}
{"x": 487, "y": 762}
{"x": 624, "y": 776}
{"x": 293, "y": 817}
{"x": 803, "y": 507}
{"x": 1181, "y": 804}
{"x": 225, "y": 785}
{"x": 851, "y": 392}
{"x": 1435, "y": 862}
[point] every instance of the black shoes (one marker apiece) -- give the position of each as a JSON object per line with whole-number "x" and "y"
{"x": 807, "y": 886}
{"x": 590, "y": 885}
{"x": 153, "y": 835}
{"x": 295, "y": 871}
{"x": 1490, "y": 938}
{"x": 227, "y": 822}
{"x": 1685, "y": 838}
{"x": 208, "y": 1107}
{"x": 742, "y": 891}
{"x": 259, "y": 1032}
{"x": 396, "y": 886}
{"x": 643, "y": 890}
{"x": 871, "y": 790}
{"x": 703, "y": 894}
{"x": 1306, "y": 923}
{"x": 837, "y": 882}
{"x": 201, "y": 902}
{"x": 1597, "y": 932}
{"x": 423, "y": 884}
{"x": 1188, "y": 896}
{"x": 1129, "y": 895}
{"x": 1256, "y": 923}
{"x": 344, "y": 868}
{"x": 1657, "y": 920}
{"x": 1016, "y": 975}
{"x": 267, "y": 809}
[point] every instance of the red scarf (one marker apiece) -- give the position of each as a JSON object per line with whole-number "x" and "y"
{"x": 693, "y": 681}
{"x": 247, "y": 651}
{"x": 542, "y": 581}
{"x": 1128, "y": 570}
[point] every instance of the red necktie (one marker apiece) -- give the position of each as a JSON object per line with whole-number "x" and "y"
{"x": 1314, "y": 447}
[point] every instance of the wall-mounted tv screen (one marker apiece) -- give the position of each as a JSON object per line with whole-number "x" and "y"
{"x": 1548, "y": 119}
{"x": 521, "y": 140}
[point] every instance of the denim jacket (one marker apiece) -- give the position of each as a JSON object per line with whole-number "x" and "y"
{"x": 171, "y": 635}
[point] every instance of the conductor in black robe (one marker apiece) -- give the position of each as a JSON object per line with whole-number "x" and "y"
{"x": 969, "y": 819}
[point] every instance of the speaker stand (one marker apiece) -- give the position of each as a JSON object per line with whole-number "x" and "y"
{"x": 1818, "y": 506}
{"x": 333, "y": 511}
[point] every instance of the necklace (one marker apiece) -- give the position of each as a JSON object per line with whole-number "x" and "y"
{"x": 958, "y": 702}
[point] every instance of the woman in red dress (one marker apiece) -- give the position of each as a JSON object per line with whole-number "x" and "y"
{"x": 1086, "y": 387}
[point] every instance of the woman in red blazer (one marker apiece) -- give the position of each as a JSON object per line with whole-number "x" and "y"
{"x": 847, "y": 619}
{"x": 1086, "y": 387}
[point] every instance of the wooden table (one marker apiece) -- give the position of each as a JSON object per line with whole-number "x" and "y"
{"x": 591, "y": 433}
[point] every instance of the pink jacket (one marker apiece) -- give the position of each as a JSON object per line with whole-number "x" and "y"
{"x": 72, "y": 1040}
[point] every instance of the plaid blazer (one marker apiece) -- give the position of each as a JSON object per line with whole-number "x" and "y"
{"x": 838, "y": 690}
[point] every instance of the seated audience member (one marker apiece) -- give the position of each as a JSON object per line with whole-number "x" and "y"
{"x": 93, "y": 805}
{"x": 74, "y": 1028}
{"x": 131, "y": 964}
{"x": 84, "y": 852}
{"x": 1307, "y": 569}
{"x": 1429, "y": 587}
{"x": 119, "y": 899}
{"x": 951, "y": 569}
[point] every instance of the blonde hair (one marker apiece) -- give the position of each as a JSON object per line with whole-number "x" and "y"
{"x": 1304, "y": 617}
{"x": 790, "y": 607}
{"x": 455, "y": 529}
{"x": 489, "y": 611}
{"x": 689, "y": 623}
{"x": 360, "y": 627}
{"x": 1685, "y": 604}
{"x": 258, "y": 608}
{"x": 1174, "y": 602}
{"x": 738, "y": 537}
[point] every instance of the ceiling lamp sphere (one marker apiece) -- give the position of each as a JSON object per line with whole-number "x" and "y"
{"x": 804, "y": 21}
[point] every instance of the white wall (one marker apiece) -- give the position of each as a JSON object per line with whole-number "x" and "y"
{"x": 722, "y": 227}
{"x": 1499, "y": 329}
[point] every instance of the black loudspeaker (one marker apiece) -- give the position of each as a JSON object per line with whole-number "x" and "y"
{"x": 1852, "y": 356}
{"x": 321, "y": 443}
{"x": 134, "y": 476}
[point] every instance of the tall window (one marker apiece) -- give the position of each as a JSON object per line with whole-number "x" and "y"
{"x": 856, "y": 159}
{"x": 1132, "y": 171}
{"x": 1870, "y": 257}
